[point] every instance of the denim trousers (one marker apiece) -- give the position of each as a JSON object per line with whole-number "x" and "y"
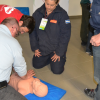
{"x": 96, "y": 59}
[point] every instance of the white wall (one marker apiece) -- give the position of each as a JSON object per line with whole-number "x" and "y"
{"x": 71, "y": 6}
{"x": 74, "y": 8}
{"x": 63, "y": 3}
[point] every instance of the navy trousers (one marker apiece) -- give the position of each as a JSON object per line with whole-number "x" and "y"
{"x": 56, "y": 67}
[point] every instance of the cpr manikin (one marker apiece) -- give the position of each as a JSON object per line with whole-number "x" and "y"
{"x": 31, "y": 85}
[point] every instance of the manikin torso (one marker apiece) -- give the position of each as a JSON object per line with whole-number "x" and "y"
{"x": 31, "y": 85}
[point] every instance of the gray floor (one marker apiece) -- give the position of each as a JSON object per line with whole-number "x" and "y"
{"x": 78, "y": 72}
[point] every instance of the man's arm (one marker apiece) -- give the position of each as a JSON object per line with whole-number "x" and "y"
{"x": 91, "y": 1}
{"x": 19, "y": 63}
{"x": 29, "y": 74}
{"x": 65, "y": 33}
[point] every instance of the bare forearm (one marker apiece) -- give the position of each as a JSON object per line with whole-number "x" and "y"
{"x": 23, "y": 77}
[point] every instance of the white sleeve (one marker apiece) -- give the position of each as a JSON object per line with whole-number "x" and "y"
{"x": 19, "y": 63}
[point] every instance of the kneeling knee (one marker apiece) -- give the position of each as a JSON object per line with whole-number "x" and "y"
{"x": 58, "y": 72}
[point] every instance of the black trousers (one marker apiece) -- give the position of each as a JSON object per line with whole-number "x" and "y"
{"x": 85, "y": 22}
{"x": 10, "y": 93}
{"x": 56, "y": 67}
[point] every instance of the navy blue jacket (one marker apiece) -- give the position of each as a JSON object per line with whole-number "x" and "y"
{"x": 56, "y": 36}
{"x": 95, "y": 15}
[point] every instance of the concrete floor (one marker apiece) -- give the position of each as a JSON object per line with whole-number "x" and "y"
{"x": 78, "y": 72}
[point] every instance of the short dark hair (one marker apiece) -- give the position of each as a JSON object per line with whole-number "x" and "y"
{"x": 56, "y": 1}
{"x": 29, "y": 22}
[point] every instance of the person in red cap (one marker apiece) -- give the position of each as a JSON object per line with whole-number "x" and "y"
{"x": 26, "y": 23}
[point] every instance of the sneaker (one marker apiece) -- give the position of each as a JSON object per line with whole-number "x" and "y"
{"x": 90, "y": 53}
{"x": 89, "y": 92}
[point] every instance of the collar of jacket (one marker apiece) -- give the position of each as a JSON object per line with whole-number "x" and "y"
{"x": 5, "y": 29}
{"x": 42, "y": 9}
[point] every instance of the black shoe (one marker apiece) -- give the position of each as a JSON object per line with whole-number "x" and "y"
{"x": 91, "y": 54}
{"x": 83, "y": 43}
{"x": 89, "y": 92}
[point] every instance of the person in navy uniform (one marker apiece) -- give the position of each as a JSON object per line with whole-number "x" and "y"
{"x": 49, "y": 40}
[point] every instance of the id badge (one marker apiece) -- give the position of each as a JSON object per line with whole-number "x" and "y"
{"x": 43, "y": 24}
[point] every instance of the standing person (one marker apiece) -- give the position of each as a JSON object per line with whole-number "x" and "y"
{"x": 26, "y": 23}
{"x": 11, "y": 55}
{"x": 95, "y": 41}
{"x": 89, "y": 46}
{"x": 51, "y": 35}
{"x": 85, "y": 4}
{"x": 90, "y": 34}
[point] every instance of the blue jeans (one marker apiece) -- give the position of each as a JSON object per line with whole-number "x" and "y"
{"x": 96, "y": 59}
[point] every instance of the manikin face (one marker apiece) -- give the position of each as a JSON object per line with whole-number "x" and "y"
{"x": 39, "y": 88}
{"x": 50, "y": 5}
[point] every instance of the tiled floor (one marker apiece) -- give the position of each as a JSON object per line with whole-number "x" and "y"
{"x": 78, "y": 72}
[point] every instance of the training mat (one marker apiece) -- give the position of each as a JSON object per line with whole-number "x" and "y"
{"x": 24, "y": 10}
{"x": 54, "y": 93}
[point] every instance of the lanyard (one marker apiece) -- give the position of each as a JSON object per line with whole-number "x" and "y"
{"x": 46, "y": 14}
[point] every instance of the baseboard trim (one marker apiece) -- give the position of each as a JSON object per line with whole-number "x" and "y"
{"x": 75, "y": 17}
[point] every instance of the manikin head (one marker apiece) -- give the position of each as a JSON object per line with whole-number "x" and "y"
{"x": 39, "y": 89}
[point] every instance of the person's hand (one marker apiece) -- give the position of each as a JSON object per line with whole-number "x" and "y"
{"x": 37, "y": 53}
{"x": 55, "y": 57}
{"x": 30, "y": 73}
{"x": 90, "y": 5}
{"x": 95, "y": 40}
